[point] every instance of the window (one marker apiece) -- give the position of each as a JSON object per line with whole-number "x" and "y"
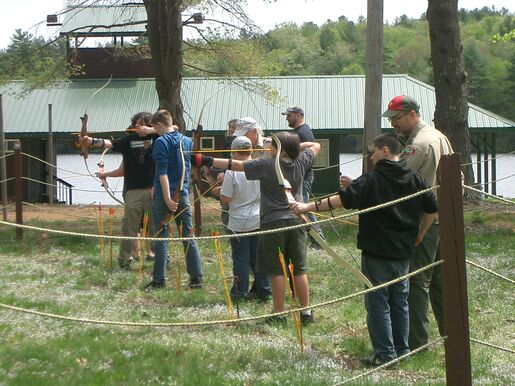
{"x": 322, "y": 159}
{"x": 207, "y": 143}
{"x": 9, "y": 145}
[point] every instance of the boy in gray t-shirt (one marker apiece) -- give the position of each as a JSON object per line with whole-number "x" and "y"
{"x": 275, "y": 213}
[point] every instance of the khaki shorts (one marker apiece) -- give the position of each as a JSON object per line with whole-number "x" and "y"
{"x": 293, "y": 246}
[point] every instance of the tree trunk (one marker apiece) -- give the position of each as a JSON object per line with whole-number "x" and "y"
{"x": 165, "y": 40}
{"x": 451, "y": 114}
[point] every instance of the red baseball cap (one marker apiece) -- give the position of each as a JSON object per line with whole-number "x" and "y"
{"x": 400, "y": 103}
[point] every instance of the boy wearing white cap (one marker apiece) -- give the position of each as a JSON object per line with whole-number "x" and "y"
{"x": 243, "y": 197}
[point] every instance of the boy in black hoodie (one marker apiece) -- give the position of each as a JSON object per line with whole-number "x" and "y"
{"x": 387, "y": 238}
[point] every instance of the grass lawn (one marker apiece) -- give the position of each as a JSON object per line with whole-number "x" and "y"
{"x": 68, "y": 276}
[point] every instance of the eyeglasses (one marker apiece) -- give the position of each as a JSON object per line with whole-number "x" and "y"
{"x": 397, "y": 117}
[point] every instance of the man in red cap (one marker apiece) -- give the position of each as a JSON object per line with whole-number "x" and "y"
{"x": 423, "y": 148}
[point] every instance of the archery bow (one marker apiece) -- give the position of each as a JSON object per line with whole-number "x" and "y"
{"x": 195, "y": 173}
{"x": 195, "y": 180}
{"x": 285, "y": 185}
{"x": 103, "y": 181}
{"x": 84, "y": 126}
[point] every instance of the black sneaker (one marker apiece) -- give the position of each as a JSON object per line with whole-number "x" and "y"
{"x": 125, "y": 264}
{"x": 375, "y": 361}
{"x": 154, "y": 285}
{"x": 307, "y": 319}
{"x": 195, "y": 282}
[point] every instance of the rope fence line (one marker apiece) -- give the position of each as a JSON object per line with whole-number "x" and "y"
{"x": 58, "y": 210}
{"x": 490, "y": 195}
{"x": 6, "y": 155}
{"x": 488, "y": 159}
{"x": 392, "y": 362}
{"x": 7, "y": 180}
{"x": 339, "y": 164}
{"x": 221, "y": 321}
{"x": 76, "y": 189}
{"x": 490, "y": 271}
{"x": 492, "y": 345}
{"x": 472, "y": 210}
{"x": 225, "y": 236}
{"x": 54, "y": 166}
{"x": 497, "y": 180}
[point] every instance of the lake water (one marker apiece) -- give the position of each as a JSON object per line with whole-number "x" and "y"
{"x": 87, "y": 190}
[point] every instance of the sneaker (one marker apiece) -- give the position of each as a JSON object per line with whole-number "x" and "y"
{"x": 195, "y": 282}
{"x": 307, "y": 319}
{"x": 150, "y": 257}
{"x": 125, "y": 264}
{"x": 154, "y": 285}
{"x": 375, "y": 361}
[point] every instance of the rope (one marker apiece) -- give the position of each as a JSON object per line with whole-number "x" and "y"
{"x": 492, "y": 345}
{"x": 490, "y": 195}
{"x": 225, "y": 236}
{"x": 54, "y": 166}
{"x": 488, "y": 159}
{"x": 497, "y": 180}
{"x": 341, "y": 163}
{"x": 65, "y": 212}
{"x": 216, "y": 322}
{"x": 488, "y": 207}
{"x": 56, "y": 186}
{"x": 388, "y": 364}
{"x": 6, "y": 155}
{"x": 491, "y": 272}
{"x": 224, "y": 150}
{"x": 7, "y": 180}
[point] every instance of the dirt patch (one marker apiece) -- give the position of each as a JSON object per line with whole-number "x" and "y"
{"x": 59, "y": 212}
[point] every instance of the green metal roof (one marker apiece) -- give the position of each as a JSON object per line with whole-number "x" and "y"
{"x": 333, "y": 103}
{"x": 78, "y": 17}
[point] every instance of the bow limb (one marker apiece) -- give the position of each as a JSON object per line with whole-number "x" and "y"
{"x": 84, "y": 125}
{"x": 304, "y": 220}
{"x": 103, "y": 181}
{"x": 196, "y": 177}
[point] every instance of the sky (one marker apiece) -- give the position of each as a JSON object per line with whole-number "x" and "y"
{"x": 25, "y": 14}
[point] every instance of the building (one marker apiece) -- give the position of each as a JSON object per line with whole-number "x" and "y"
{"x": 334, "y": 107}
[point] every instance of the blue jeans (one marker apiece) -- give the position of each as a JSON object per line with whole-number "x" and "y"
{"x": 159, "y": 212}
{"x": 244, "y": 252}
{"x": 387, "y": 308}
{"x": 306, "y": 191}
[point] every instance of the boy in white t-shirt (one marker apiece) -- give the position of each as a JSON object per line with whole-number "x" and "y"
{"x": 243, "y": 197}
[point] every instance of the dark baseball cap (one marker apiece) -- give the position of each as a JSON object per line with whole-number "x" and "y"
{"x": 401, "y": 103}
{"x": 293, "y": 109}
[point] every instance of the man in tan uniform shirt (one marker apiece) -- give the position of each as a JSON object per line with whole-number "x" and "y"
{"x": 423, "y": 148}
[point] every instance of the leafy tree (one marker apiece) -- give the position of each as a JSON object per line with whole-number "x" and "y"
{"x": 451, "y": 113}
{"x": 34, "y": 60}
{"x": 478, "y": 81}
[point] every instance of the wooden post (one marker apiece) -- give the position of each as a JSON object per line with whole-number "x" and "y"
{"x": 494, "y": 164}
{"x": 50, "y": 158}
{"x": 18, "y": 189}
{"x": 485, "y": 165}
{"x": 374, "y": 77}
{"x": 454, "y": 276}
{"x": 3, "y": 168}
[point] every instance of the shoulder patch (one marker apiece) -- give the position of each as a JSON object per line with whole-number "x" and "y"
{"x": 409, "y": 150}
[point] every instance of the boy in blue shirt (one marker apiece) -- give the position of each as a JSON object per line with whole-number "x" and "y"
{"x": 171, "y": 196}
